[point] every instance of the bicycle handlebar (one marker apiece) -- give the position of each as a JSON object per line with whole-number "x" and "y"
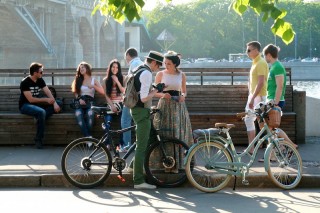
{"x": 262, "y": 111}
{"x": 105, "y": 110}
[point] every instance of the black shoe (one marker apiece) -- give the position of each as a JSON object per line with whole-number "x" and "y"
{"x": 38, "y": 144}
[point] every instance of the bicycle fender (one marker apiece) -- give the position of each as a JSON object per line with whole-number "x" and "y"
{"x": 216, "y": 138}
{"x": 267, "y": 153}
{"x": 96, "y": 140}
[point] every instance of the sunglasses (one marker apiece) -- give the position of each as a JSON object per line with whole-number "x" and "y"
{"x": 41, "y": 72}
{"x": 249, "y": 50}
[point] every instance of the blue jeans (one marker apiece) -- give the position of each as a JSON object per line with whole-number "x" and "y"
{"x": 39, "y": 113}
{"x": 85, "y": 119}
{"x": 126, "y": 120}
{"x": 108, "y": 120}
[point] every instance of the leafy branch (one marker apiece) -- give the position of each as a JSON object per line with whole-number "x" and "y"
{"x": 268, "y": 10}
{"x": 131, "y": 9}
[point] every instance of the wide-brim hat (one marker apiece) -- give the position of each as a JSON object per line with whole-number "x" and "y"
{"x": 154, "y": 55}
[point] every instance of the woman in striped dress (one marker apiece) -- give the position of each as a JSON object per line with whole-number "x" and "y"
{"x": 113, "y": 87}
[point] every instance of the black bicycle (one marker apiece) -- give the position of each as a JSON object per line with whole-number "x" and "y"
{"x": 87, "y": 162}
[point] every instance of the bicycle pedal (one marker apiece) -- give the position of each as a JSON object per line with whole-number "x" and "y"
{"x": 245, "y": 182}
{"x": 121, "y": 178}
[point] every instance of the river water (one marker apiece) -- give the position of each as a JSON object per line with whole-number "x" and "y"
{"x": 312, "y": 88}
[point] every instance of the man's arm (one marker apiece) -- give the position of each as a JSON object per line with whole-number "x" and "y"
{"x": 261, "y": 80}
{"x": 279, "y": 82}
{"x": 146, "y": 81}
{"x": 35, "y": 100}
{"x": 48, "y": 93}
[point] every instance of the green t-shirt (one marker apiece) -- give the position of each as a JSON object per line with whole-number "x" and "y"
{"x": 276, "y": 69}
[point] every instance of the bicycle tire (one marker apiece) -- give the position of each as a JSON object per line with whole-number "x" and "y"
{"x": 84, "y": 171}
{"x": 285, "y": 172}
{"x": 200, "y": 170}
{"x": 170, "y": 172}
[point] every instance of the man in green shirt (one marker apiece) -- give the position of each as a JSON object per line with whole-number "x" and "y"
{"x": 276, "y": 82}
{"x": 277, "y": 76}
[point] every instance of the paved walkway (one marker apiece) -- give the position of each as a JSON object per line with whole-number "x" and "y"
{"x": 22, "y": 166}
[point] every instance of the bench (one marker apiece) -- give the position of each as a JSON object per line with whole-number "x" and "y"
{"x": 210, "y": 104}
{"x": 61, "y": 128}
{"x": 207, "y": 105}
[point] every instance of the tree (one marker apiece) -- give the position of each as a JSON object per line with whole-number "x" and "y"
{"x": 131, "y": 9}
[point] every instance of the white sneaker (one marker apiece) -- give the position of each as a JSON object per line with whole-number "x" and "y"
{"x": 145, "y": 186}
{"x": 123, "y": 150}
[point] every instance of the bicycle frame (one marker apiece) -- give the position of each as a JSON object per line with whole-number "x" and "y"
{"x": 213, "y": 160}
{"x": 238, "y": 167}
{"x": 106, "y": 139}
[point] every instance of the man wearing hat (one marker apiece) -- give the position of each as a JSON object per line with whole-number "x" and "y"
{"x": 141, "y": 115}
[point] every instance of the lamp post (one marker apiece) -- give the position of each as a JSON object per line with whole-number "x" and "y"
{"x": 243, "y": 38}
{"x": 310, "y": 54}
{"x": 257, "y": 28}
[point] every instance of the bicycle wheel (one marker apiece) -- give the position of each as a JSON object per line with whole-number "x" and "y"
{"x": 284, "y": 166}
{"x": 201, "y": 170}
{"x": 86, "y": 165}
{"x": 166, "y": 171}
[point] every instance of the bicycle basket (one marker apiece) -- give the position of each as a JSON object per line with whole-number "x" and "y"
{"x": 274, "y": 117}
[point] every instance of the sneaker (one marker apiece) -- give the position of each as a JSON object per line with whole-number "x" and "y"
{"x": 123, "y": 150}
{"x": 127, "y": 147}
{"x": 145, "y": 186}
{"x": 38, "y": 144}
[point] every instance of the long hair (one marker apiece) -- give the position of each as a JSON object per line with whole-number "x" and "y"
{"x": 109, "y": 81}
{"x": 78, "y": 80}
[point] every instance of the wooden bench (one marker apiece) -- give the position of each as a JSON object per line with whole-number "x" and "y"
{"x": 61, "y": 128}
{"x": 210, "y": 104}
{"x": 207, "y": 104}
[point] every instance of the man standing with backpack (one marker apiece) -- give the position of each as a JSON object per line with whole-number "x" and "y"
{"x": 141, "y": 115}
{"x": 131, "y": 57}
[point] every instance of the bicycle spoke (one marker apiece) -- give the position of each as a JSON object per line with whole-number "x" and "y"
{"x": 204, "y": 176}
{"x": 286, "y": 170}
{"x": 84, "y": 164}
{"x": 164, "y": 163}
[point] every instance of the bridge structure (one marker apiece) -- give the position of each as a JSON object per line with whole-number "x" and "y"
{"x": 59, "y": 34}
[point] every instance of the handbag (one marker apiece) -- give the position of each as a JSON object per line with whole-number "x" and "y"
{"x": 75, "y": 103}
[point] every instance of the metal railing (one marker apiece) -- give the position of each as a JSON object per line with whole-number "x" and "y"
{"x": 199, "y": 76}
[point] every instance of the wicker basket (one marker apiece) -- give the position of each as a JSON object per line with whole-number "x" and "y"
{"x": 274, "y": 117}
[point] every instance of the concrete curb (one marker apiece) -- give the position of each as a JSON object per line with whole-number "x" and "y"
{"x": 58, "y": 180}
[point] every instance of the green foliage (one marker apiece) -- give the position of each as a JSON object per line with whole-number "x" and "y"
{"x": 280, "y": 27}
{"x": 131, "y": 9}
{"x": 119, "y": 9}
{"x": 203, "y": 28}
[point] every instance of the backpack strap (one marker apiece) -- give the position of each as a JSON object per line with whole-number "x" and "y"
{"x": 140, "y": 68}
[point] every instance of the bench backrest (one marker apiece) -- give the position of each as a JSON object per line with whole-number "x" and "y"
{"x": 9, "y": 98}
{"x": 224, "y": 98}
{"x": 204, "y": 98}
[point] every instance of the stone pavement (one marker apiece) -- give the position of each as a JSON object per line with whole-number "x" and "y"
{"x": 25, "y": 166}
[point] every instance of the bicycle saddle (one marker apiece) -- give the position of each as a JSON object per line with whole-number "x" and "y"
{"x": 224, "y": 125}
{"x": 205, "y": 132}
